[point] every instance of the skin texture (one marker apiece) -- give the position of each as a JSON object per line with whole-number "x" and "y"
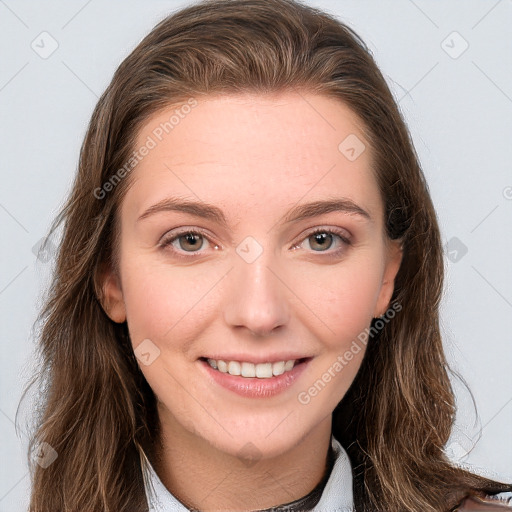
{"x": 254, "y": 157}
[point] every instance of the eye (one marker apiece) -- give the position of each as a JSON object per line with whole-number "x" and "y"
{"x": 187, "y": 241}
{"x": 321, "y": 240}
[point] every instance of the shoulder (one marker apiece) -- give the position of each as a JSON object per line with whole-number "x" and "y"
{"x": 497, "y": 502}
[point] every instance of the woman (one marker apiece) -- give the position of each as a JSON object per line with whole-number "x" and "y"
{"x": 245, "y": 308}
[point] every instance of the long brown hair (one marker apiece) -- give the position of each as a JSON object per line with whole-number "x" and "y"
{"x": 98, "y": 411}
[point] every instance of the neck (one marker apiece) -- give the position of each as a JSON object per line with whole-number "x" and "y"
{"x": 207, "y": 479}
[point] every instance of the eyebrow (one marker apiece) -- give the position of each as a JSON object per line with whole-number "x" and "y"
{"x": 316, "y": 208}
{"x": 300, "y": 212}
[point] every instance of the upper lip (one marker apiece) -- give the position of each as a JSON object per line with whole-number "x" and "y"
{"x": 285, "y": 356}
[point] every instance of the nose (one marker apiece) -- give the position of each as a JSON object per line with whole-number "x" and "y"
{"x": 256, "y": 300}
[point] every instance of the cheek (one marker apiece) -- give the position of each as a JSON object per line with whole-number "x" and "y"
{"x": 343, "y": 301}
{"x": 342, "y": 297}
{"x": 166, "y": 304}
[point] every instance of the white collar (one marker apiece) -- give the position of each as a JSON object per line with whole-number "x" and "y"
{"x": 337, "y": 495}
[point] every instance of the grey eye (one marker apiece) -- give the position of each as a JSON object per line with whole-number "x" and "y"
{"x": 322, "y": 240}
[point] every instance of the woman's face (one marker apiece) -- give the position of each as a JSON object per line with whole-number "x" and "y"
{"x": 236, "y": 273}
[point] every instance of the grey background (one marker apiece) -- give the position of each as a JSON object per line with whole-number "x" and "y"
{"x": 458, "y": 105}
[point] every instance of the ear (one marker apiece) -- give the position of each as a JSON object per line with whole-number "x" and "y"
{"x": 111, "y": 295}
{"x": 393, "y": 260}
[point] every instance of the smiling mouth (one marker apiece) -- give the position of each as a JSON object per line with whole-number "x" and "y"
{"x": 251, "y": 370}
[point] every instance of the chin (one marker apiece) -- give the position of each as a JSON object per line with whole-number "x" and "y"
{"x": 260, "y": 436}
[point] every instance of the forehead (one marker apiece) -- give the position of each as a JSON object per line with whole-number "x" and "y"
{"x": 259, "y": 152}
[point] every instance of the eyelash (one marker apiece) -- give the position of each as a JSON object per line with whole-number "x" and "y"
{"x": 166, "y": 242}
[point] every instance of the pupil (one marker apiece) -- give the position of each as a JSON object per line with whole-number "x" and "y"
{"x": 191, "y": 239}
{"x": 321, "y": 238}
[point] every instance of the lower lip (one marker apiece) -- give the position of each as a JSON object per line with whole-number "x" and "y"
{"x": 254, "y": 387}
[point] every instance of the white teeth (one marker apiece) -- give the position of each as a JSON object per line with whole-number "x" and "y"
{"x": 288, "y": 365}
{"x": 245, "y": 369}
{"x": 264, "y": 370}
{"x": 248, "y": 370}
{"x": 278, "y": 368}
{"x": 234, "y": 368}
